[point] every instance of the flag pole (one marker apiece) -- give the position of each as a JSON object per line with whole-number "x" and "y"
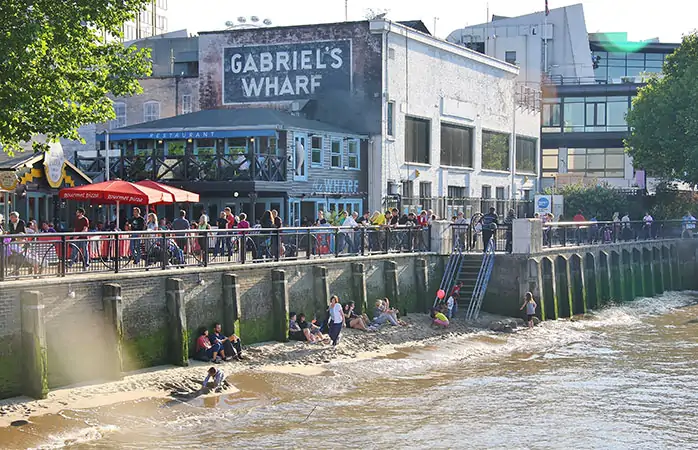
{"x": 545, "y": 42}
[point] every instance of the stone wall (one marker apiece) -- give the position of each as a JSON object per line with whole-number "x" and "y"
{"x": 78, "y": 324}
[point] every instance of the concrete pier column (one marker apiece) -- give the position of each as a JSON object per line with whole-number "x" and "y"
{"x": 675, "y": 269}
{"x": 392, "y": 288}
{"x": 231, "y": 304}
{"x": 358, "y": 281}
{"x": 603, "y": 277}
{"x": 177, "y": 320}
{"x": 549, "y": 289}
{"x": 114, "y": 326}
{"x": 647, "y": 273}
{"x": 34, "y": 347}
{"x": 280, "y": 307}
{"x": 422, "y": 280}
{"x": 666, "y": 270}
{"x": 657, "y": 271}
{"x": 441, "y": 237}
{"x": 321, "y": 290}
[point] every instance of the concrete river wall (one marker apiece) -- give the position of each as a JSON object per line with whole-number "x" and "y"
{"x": 57, "y": 332}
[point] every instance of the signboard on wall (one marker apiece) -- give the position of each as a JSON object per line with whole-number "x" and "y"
{"x": 277, "y": 72}
{"x": 545, "y": 204}
{"x": 54, "y": 162}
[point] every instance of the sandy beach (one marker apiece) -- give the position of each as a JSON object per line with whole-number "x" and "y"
{"x": 290, "y": 357}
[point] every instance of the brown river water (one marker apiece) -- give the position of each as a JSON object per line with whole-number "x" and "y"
{"x": 623, "y": 377}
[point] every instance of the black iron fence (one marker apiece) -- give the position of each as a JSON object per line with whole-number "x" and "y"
{"x": 449, "y": 207}
{"x": 561, "y": 234}
{"x": 472, "y": 238}
{"x": 65, "y": 254}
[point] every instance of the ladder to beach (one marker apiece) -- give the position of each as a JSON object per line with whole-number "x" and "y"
{"x": 483, "y": 278}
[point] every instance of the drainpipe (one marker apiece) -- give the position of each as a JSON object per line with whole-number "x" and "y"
{"x": 513, "y": 150}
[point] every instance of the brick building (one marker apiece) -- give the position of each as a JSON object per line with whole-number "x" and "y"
{"x": 434, "y": 120}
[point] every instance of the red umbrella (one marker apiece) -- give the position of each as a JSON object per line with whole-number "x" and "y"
{"x": 179, "y": 195}
{"x": 116, "y": 192}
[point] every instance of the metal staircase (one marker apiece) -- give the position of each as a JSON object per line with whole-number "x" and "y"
{"x": 452, "y": 270}
{"x": 480, "y": 287}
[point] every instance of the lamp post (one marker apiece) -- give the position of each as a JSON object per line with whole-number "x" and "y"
{"x": 107, "y": 144}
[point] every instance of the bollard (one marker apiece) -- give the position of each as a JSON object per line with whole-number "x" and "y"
{"x": 358, "y": 278}
{"x": 280, "y": 308}
{"x": 114, "y": 324}
{"x": 231, "y": 304}
{"x": 422, "y": 278}
{"x": 34, "y": 345}
{"x": 179, "y": 335}
{"x": 321, "y": 290}
{"x": 392, "y": 288}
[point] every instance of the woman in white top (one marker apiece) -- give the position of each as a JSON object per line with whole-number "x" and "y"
{"x": 152, "y": 223}
{"x": 336, "y": 319}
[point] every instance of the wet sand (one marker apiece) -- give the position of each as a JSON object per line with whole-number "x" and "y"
{"x": 291, "y": 357}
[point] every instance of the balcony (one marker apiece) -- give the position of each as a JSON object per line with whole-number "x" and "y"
{"x": 187, "y": 167}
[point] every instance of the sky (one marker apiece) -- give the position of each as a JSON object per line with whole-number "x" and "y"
{"x": 641, "y": 19}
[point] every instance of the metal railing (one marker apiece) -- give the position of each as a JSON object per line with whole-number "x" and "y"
{"x": 472, "y": 238}
{"x": 66, "y": 254}
{"x": 562, "y": 234}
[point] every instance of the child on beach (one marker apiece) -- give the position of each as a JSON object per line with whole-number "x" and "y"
{"x": 215, "y": 376}
{"x": 530, "y": 305}
{"x": 450, "y": 304}
{"x": 439, "y": 319}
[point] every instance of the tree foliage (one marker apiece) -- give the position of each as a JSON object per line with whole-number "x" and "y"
{"x": 664, "y": 118}
{"x": 56, "y": 67}
{"x": 600, "y": 201}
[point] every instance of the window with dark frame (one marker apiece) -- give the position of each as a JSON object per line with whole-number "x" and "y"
{"x": 550, "y": 161}
{"x": 408, "y": 190}
{"x": 425, "y": 194}
{"x": 510, "y": 57}
{"x": 495, "y": 151}
{"x": 456, "y": 145}
{"x": 316, "y": 151}
{"x": 353, "y": 154}
{"x": 390, "y": 119}
{"x": 336, "y": 154}
{"x": 417, "y": 140}
{"x": 486, "y": 191}
{"x": 457, "y": 192}
{"x": 526, "y": 155}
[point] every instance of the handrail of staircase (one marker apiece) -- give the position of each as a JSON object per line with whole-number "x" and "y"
{"x": 455, "y": 260}
{"x": 483, "y": 277}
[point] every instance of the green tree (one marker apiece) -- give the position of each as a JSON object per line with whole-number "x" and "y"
{"x": 664, "y": 118}
{"x": 56, "y": 67}
{"x": 600, "y": 201}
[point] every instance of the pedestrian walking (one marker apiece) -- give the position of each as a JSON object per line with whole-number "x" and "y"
{"x": 336, "y": 319}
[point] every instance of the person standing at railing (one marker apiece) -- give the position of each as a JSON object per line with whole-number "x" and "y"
{"x": 137, "y": 224}
{"x": 461, "y": 228}
{"x": 647, "y": 222}
{"x": 489, "y": 222}
{"x": 616, "y": 227}
{"x": 688, "y": 223}
{"x": 626, "y": 232}
{"x": 180, "y": 224}
{"x": 16, "y": 225}
{"x": 79, "y": 248}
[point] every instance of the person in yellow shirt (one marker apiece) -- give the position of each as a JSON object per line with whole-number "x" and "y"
{"x": 377, "y": 219}
{"x": 439, "y": 319}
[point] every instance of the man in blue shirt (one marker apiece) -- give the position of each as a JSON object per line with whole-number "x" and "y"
{"x": 232, "y": 346}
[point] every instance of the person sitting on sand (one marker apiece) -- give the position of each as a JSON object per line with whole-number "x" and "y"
{"x": 214, "y": 378}
{"x": 296, "y": 332}
{"x": 439, "y": 319}
{"x": 312, "y": 329}
{"x": 231, "y": 344}
{"x": 352, "y": 319}
{"x": 206, "y": 351}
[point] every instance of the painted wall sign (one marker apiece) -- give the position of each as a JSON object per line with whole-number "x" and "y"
{"x": 179, "y": 135}
{"x": 285, "y": 71}
{"x": 8, "y": 180}
{"x": 54, "y": 163}
{"x": 335, "y": 186}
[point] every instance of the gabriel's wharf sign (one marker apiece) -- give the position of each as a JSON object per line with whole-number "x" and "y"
{"x": 285, "y": 71}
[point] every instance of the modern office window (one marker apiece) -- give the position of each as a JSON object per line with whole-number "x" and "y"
{"x": 613, "y": 67}
{"x": 316, "y": 151}
{"x": 596, "y": 162}
{"x": 617, "y": 109}
{"x": 510, "y": 57}
{"x": 120, "y": 112}
{"x": 353, "y": 154}
{"x": 526, "y": 155}
{"x": 495, "y": 151}
{"x": 186, "y": 104}
{"x": 151, "y": 111}
{"x": 417, "y": 140}
{"x": 425, "y": 194}
{"x": 456, "y": 145}
{"x": 457, "y": 192}
{"x": 573, "y": 114}
{"x": 551, "y": 115}
{"x": 336, "y": 153}
{"x": 390, "y": 119}
{"x": 550, "y": 161}
{"x": 595, "y": 114}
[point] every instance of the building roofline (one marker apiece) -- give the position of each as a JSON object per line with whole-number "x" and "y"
{"x": 387, "y": 26}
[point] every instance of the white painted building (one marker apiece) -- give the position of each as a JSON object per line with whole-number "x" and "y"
{"x": 444, "y": 107}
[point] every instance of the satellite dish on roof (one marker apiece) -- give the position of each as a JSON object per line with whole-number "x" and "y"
{"x": 266, "y": 22}
{"x": 229, "y": 23}
{"x": 254, "y": 19}
{"x": 242, "y": 19}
